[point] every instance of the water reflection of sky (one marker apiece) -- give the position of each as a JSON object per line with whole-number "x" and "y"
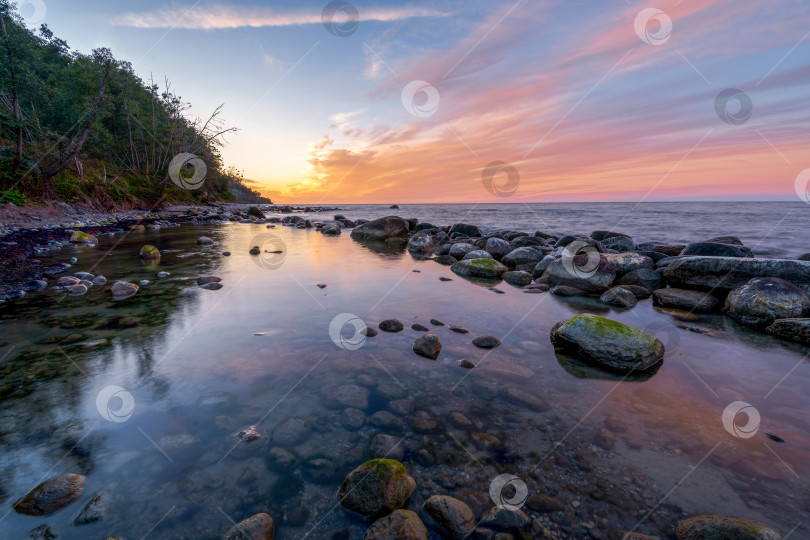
{"x": 201, "y": 365}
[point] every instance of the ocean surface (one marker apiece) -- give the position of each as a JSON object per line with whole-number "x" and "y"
{"x": 146, "y": 397}
{"x": 771, "y": 229}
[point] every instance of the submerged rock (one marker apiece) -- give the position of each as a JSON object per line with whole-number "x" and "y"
{"x": 150, "y": 252}
{"x": 345, "y": 396}
{"x": 258, "y": 527}
{"x": 79, "y": 237}
{"x": 398, "y": 525}
{"x": 91, "y": 512}
{"x": 710, "y": 527}
{"x": 428, "y": 346}
{"x": 376, "y": 488}
{"x": 386, "y": 446}
{"x": 607, "y": 343}
{"x": 51, "y": 495}
{"x": 761, "y": 301}
{"x": 479, "y": 268}
{"x": 696, "y": 301}
{"x": 292, "y": 431}
{"x": 123, "y": 289}
{"x": 450, "y": 516}
{"x": 381, "y": 229}
{"x": 204, "y": 241}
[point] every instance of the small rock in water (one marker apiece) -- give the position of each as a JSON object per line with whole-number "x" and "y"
{"x": 466, "y": 364}
{"x": 250, "y": 433}
{"x": 211, "y": 286}
{"x": 496, "y": 290}
{"x": 398, "y": 525}
{"x": 255, "y": 250}
{"x": 258, "y": 527}
{"x": 376, "y": 488}
{"x": 445, "y": 279}
{"x": 419, "y": 328}
{"x": 486, "y": 342}
{"x": 77, "y": 290}
{"x": 73, "y": 260}
{"x": 450, "y": 516}
{"x": 204, "y": 241}
{"x": 163, "y": 274}
{"x": 391, "y": 325}
{"x": 321, "y": 285}
{"x": 143, "y": 282}
{"x": 774, "y": 437}
{"x": 368, "y": 331}
{"x": 428, "y": 346}
{"x": 226, "y": 253}
{"x": 51, "y": 495}
{"x": 99, "y": 280}
{"x": 458, "y": 329}
{"x": 123, "y": 289}
{"x": 150, "y": 252}
{"x": 67, "y": 281}
{"x": 203, "y": 280}
{"x": 435, "y": 322}
{"x": 91, "y": 512}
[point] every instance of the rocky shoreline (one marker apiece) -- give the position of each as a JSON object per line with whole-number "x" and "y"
{"x": 717, "y": 275}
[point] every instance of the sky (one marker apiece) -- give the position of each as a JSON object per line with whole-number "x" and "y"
{"x": 481, "y": 101}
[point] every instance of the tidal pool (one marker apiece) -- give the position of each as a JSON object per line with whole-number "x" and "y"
{"x": 202, "y": 365}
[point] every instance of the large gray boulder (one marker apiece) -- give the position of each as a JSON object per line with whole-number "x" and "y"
{"x": 467, "y": 230}
{"x": 761, "y": 301}
{"x": 381, "y": 229}
{"x": 642, "y": 277}
{"x": 459, "y": 250}
{"x": 608, "y": 344}
{"x": 523, "y": 255}
{"x": 449, "y": 516}
{"x": 695, "y": 301}
{"x": 716, "y": 249}
{"x": 589, "y": 271}
{"x": 727, "y": 273}
{"x": 497, "y": 247}
{"x": 422, "y": 243}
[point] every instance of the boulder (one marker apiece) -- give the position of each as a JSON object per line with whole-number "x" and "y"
{"x": 428, "y": 346}
{"x": 695, "y": 301}
{"x": 523, "y": 255}
{"x": 345, "y": 396}
{"x": 92, "y": 511}
{"x": 258, "y": 527}
{"x": 79, "y": 237}
{"x": 381, "y": 229}
{"x": 727, "y": 273}
{"x": 761, "y": 301}
{"x": 715, "y": 249}
{"x": 479, "y": 268}
{"x": 517, "y": 278}
{"x": 459, "y": 250}
{"x": 398, "y": 525}
{"x": 797, "y": 330}
{"x": 619, "y": 243}
{"x": 204, "y": 241}
{"x": 540, "y": 267}
{"x": 505, "y": 519}
{"x": 51, "y": 495}
{"x": 628, "y": 261}
{"x": 497, "y": 247}
{"x": 386, "y": 446}
{"x": 376, "y": 488}
{"x": 642, "y": 277}
{"x": 619, "y": 297}
{"x": 589, "y": 271}
{"x": 466, "y": 230}
{"x": 711, "y": 527}
{"x": 332, "y": 228}
{"x": 253, "y": 211}
{"x": 391, "y": 325}
{"x": 451, "y": 517}
{"x": 422, "y": 243}
{"x": 486, "y": 342}
{"x": 607, "y": 343}
{"x": 669, "y": 250}
{"x": 477, "y": 254}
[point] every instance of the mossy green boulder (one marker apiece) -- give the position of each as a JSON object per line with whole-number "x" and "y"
{"x": 80, "y": 237}
{"x": 713, "y": 527}
{"x": 376, "y": 488}
{"x": 150, "y": 252}
{"x": 607, "y": 343}
{"x": 479, "y": 268}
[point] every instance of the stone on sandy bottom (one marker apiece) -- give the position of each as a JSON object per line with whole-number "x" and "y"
{"x": 51, "y": 495}
{"x": 398, "y": 525}
{"x": 258, "y": 527}
{"x": 711, "y": 527}
{"x": 376, "y": 488}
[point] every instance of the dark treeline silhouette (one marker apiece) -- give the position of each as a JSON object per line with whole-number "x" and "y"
{"x": 86, "y": 128}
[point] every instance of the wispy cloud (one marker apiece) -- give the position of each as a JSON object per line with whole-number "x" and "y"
{"x": 217, "y": 16}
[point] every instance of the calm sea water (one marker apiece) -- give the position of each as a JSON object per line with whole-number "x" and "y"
{"x": 771, "y": 229}
{"x": 201, "y": 365}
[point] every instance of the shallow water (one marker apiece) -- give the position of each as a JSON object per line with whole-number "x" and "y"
{"x": 201, "y": 365}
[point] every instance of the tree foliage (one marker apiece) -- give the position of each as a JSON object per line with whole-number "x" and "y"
{"x": 85, "y": 126}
